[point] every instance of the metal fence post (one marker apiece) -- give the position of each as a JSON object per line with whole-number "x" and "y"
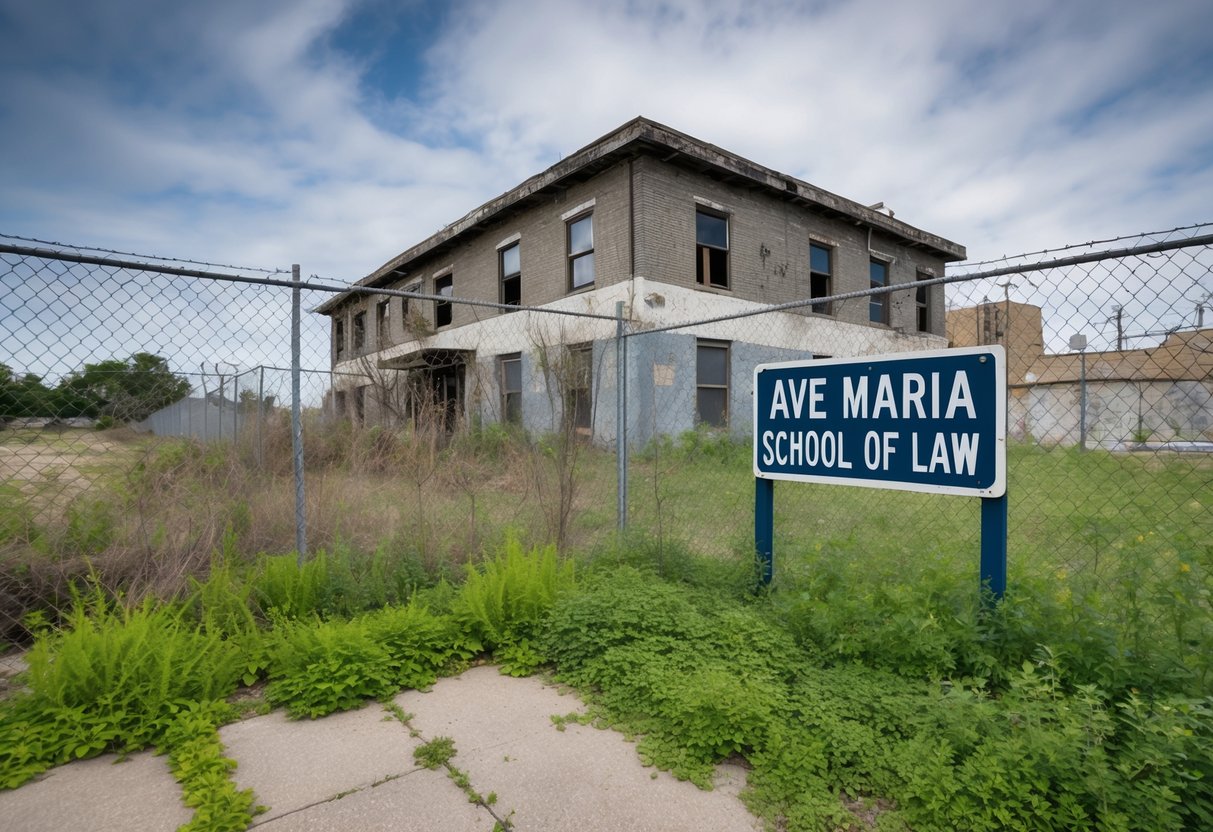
{"x": 260, "y": 416}
{"x": 297, "y": 419}
{"x": 621, "y": 419}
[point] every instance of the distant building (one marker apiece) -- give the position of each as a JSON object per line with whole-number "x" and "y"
{"x": 675, "y": 229}
{"x": 1158, "y": 394}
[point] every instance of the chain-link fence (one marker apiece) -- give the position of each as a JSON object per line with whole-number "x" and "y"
{"x": 147, "y": 403}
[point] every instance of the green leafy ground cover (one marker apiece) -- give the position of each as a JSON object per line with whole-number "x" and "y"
{"x": 857, "y": 701}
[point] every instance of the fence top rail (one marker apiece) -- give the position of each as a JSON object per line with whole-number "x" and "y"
{"x": 178, "y": 271}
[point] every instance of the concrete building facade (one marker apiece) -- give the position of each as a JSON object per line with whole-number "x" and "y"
{"x": 1159, "y": 394}
{"x": 678, "y": 231}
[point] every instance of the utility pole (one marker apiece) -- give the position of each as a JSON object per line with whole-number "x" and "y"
{"x": 1120, "y": 327}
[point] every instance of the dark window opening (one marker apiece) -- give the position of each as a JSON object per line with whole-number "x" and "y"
{"x": 922, "y": 302}
{"x": 444, "y": 287}
{"x": 581, "y": 252}
{"x": 878, "y": 305}
{"x": 511, "y": 388}
{"x": 339, "y": 335}
{"x": 383, "y": 321}
{"x": 578, "y": 398}
{"x": 511, "y": 275}
{"x": 359, "y": 330}
{"x": 711, "y": 250}
{"x": 821, "y": 271}
{"x": 712, "y": 383}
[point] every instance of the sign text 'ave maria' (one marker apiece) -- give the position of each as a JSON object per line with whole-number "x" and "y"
{"x": 923, "y": 421}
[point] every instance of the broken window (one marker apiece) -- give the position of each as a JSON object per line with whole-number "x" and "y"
{"x": 712, "y": 383}
{"x": 711, "y": 249}
{"x": 511, "y": 275}
{"x": 579, "y": 376}
{"x": 510, "y": 367}
{"x": 821, "y": 271}
{"x": 339, "y": 335}
{"x": 581, "y": 251}
{"x": 878, "y": 305}
{"x": 382, "y": 321}
{"x": 444, "y": 287}
{"x": 922, "y": 303}
{"x": 359, "y": 330}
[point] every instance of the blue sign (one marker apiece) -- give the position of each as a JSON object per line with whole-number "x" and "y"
{"x": 923, "y": 421}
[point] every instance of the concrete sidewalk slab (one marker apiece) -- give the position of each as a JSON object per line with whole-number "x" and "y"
{"x": 290, "y": 764}
{"x": 101, "y": 795}
{"x": 577, "y": 779}
{"x": 421, "y": 801}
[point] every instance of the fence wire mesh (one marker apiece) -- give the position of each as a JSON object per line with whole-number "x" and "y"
{"x": 146, "y": 409}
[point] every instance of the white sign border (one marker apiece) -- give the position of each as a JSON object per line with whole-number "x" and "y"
{"x": 997, "y": 489}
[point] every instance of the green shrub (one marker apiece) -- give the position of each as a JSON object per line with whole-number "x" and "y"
{"x": 317, "y": 667}
{"x": 114, "y": 679}
{"x": 502, "y": 602}
{"x": 289, "y": 589}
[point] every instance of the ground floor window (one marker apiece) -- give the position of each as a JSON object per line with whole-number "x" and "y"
{"x": 580, "y": 375}
{"x": 510, "y": 372}
{"x": 712, "y": 383}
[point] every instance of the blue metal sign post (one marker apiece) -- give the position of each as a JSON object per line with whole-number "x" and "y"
{"x": 926, "y": 421}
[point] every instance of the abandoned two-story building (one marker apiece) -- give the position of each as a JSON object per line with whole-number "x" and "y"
{"x": 675, "y": 229}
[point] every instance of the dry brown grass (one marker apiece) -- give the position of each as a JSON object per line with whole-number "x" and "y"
{"x": 144, "y": 514}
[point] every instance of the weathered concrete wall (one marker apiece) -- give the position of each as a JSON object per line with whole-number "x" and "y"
{"x": 1118, "y": 412}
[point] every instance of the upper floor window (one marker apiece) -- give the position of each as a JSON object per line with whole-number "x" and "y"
{"x": 359, "y": 330}
{"x": 821, "y": 275}
{"x": 511, "y": 275}
{"x": 382, "y": 321}
{"x": 339, "y": 334}
{"x": 878, "y": 305}
{"x": 581, "y": 252}
{"x": 922, "y": 304}
{"x": 444, "y": 287}
{"x": 711, "y": 249}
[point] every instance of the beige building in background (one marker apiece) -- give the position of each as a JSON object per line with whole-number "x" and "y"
{"x": 1157, "y": 394}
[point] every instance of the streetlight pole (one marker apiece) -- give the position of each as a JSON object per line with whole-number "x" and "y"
{"x": 1079, "y": 342}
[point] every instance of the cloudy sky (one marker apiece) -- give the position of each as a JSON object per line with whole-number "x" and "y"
{"x": 335, "y": 133}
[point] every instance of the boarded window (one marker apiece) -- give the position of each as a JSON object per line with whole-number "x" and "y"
{"x": 878, "y": 305}
{"x": 511, "y": 275}
{"x": 581, "y": 252}
{"x": 711, "y": 249}
{"x": 443, "y": 287}
{"x": 712, "y": 383}
{"x": 821, "y": 276}
{"x": 510, "y": 368}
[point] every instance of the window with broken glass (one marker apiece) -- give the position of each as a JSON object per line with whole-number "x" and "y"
{"x": 711, "y": 249}
{"x": 510, "y": 264}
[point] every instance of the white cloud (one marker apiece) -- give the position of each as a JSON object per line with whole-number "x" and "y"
{"x": 237, "y": 132}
